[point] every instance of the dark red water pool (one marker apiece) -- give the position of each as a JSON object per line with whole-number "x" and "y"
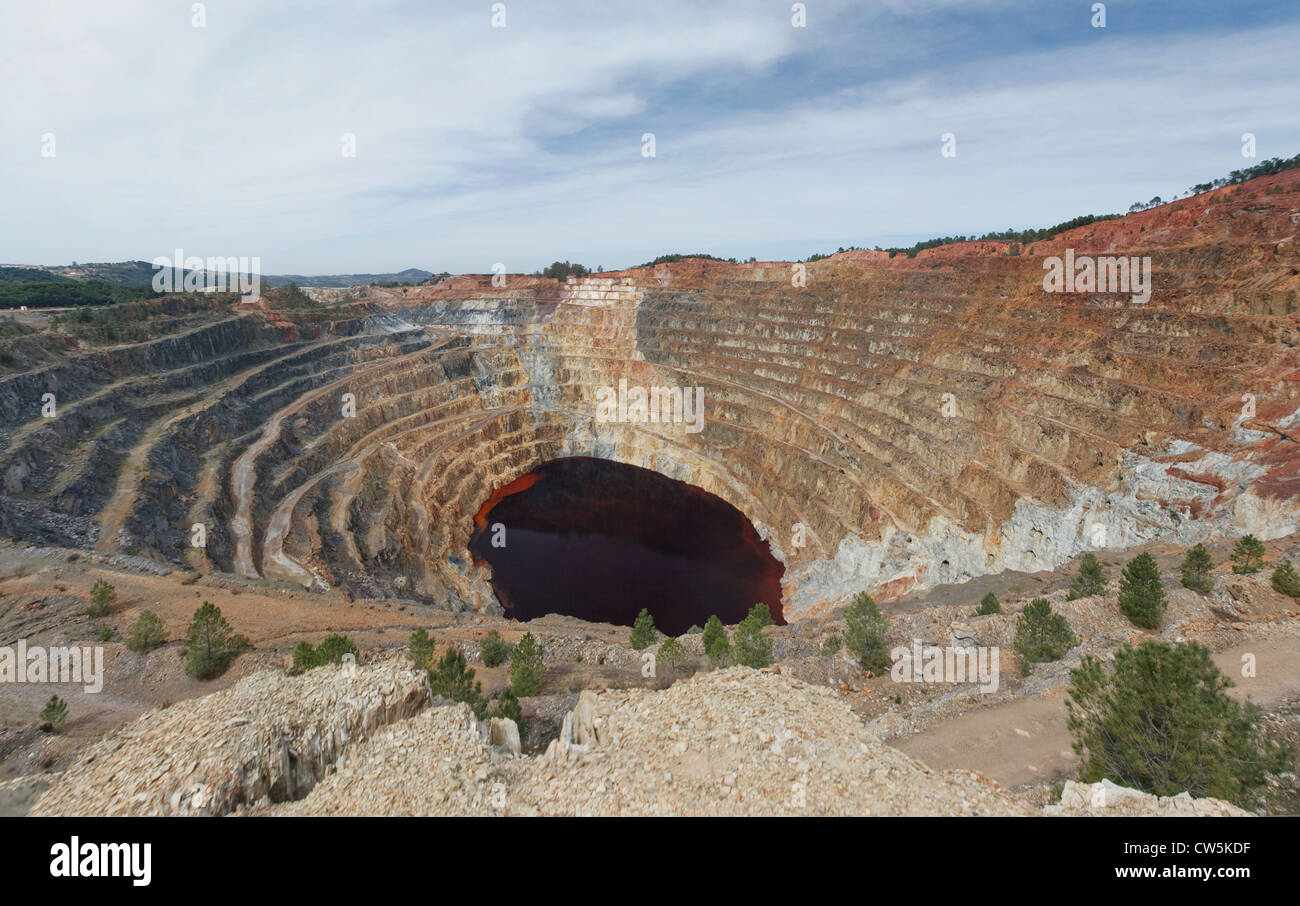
{"x": 600, "y": 540}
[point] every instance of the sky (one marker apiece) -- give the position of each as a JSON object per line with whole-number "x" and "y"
{"x": 133, "y": 128}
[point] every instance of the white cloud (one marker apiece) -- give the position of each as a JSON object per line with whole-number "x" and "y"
{"x": 478, "y": 144}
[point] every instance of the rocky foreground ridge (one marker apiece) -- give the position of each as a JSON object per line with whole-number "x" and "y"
{"x": 366, "y": 741}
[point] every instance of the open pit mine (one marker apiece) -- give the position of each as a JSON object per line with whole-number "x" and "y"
{"x": 891, "y": 424}
{"x": 339, "y": 460}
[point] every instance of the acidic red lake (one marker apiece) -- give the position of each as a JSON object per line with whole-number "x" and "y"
{"x": 600, "y": 540}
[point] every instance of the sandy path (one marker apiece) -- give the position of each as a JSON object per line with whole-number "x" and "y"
{"x": 1026, "y": 740}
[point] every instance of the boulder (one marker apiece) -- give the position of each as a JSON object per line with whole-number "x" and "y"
{"x": 504, "y": 734}
{"x": 585, "y": 719}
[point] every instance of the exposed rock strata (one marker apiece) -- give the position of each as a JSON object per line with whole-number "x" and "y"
{"x": 1080, "y": 421}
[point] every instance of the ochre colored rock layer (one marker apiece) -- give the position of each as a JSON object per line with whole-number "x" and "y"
{"x": 895, "y": 422}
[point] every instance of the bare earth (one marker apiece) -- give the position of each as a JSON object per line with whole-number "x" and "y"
{"x": 1026, "y": 740}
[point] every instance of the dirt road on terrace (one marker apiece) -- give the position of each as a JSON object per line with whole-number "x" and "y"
{"x": 1026, "y": 740}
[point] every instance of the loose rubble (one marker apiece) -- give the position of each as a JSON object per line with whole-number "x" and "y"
{"x": 367, "y": 742}
{"x": 269, "y": 738}
{"x": 1106, "y": 798}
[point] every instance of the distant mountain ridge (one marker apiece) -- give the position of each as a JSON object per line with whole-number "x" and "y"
{"x": 141, "y": 273}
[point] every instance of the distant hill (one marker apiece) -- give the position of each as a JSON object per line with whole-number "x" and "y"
{"x": 410, "y": 275}
{"x": 140, "y": 273}
{"x": 10, "y": 274}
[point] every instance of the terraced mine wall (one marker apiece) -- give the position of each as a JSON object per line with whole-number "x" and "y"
{"x": 885, "y": 423}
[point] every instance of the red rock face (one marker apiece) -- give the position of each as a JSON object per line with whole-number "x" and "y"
{"x": 884, "y": 423}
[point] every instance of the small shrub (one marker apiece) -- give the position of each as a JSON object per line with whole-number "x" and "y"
{"x": 750, "y": 647}
{"x": 452, "y": 678}
{"x": 988, "y": 604}
{"x": 832, "y": 645}
{"x": 55, "y": 714}
{"x": 864, "y": 635}
{"x": 527, "y": 666}
{"x": 105, "y": 634}
{"x": 644, "y": 633}
{"x": 672, "y": 658}
{"x": 716, "y": 644}
{"x": 102, "y": 597}
{"x": 146, "y": 633}
{"x": 1041, "y": 635}
{"x": 420, "y": 648}
{"x": 1161, "y": 721}
{"x": 494, "y": 651}
{"x": 1286, "y": 580}
{"x": 1195, "y": 571}
{"x": 762, "y": 614}
{"x": 1090, "y": 581}
{"x": 1141, "y": 597}
{"x": 211, "y": 645}
{"x": 329, "y": 651}
{"x": 1247, "y": 555}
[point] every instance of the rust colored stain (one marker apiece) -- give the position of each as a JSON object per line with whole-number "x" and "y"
{"x": 522, "y": 483}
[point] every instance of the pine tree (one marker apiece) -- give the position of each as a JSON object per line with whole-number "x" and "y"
{"x": 211, "y": 644}
{"x": 672, "y": 658}
{"x": 988, "y": 604}
{"x": 146, "y": 633}
{"x": 864, "y": 634}
{"x": 102, "y": 596}
{"x": 494, "y": 651}
{"x": 1141, "y": 597}
{"x": 644, "y": 633}
{"x": 1247, "y": 555}
{"x": 1090, "y": 580}
{"x": 1286, "y": 580}
{"x": 715, "y": 642}
{"x": 1161, "y": 721}
{"x": 55, "y": 714}
{"x": 527, "y": 666}
{"x": 451, "y": 677}
{"x": 749, "y": 647}
{"x": 1041, "y": 635}
{"x": 763, "y": 614}
{"x": 330, "y": 651}
{"x": 1196, "y": 568}
{"x": 420, "y": 647}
